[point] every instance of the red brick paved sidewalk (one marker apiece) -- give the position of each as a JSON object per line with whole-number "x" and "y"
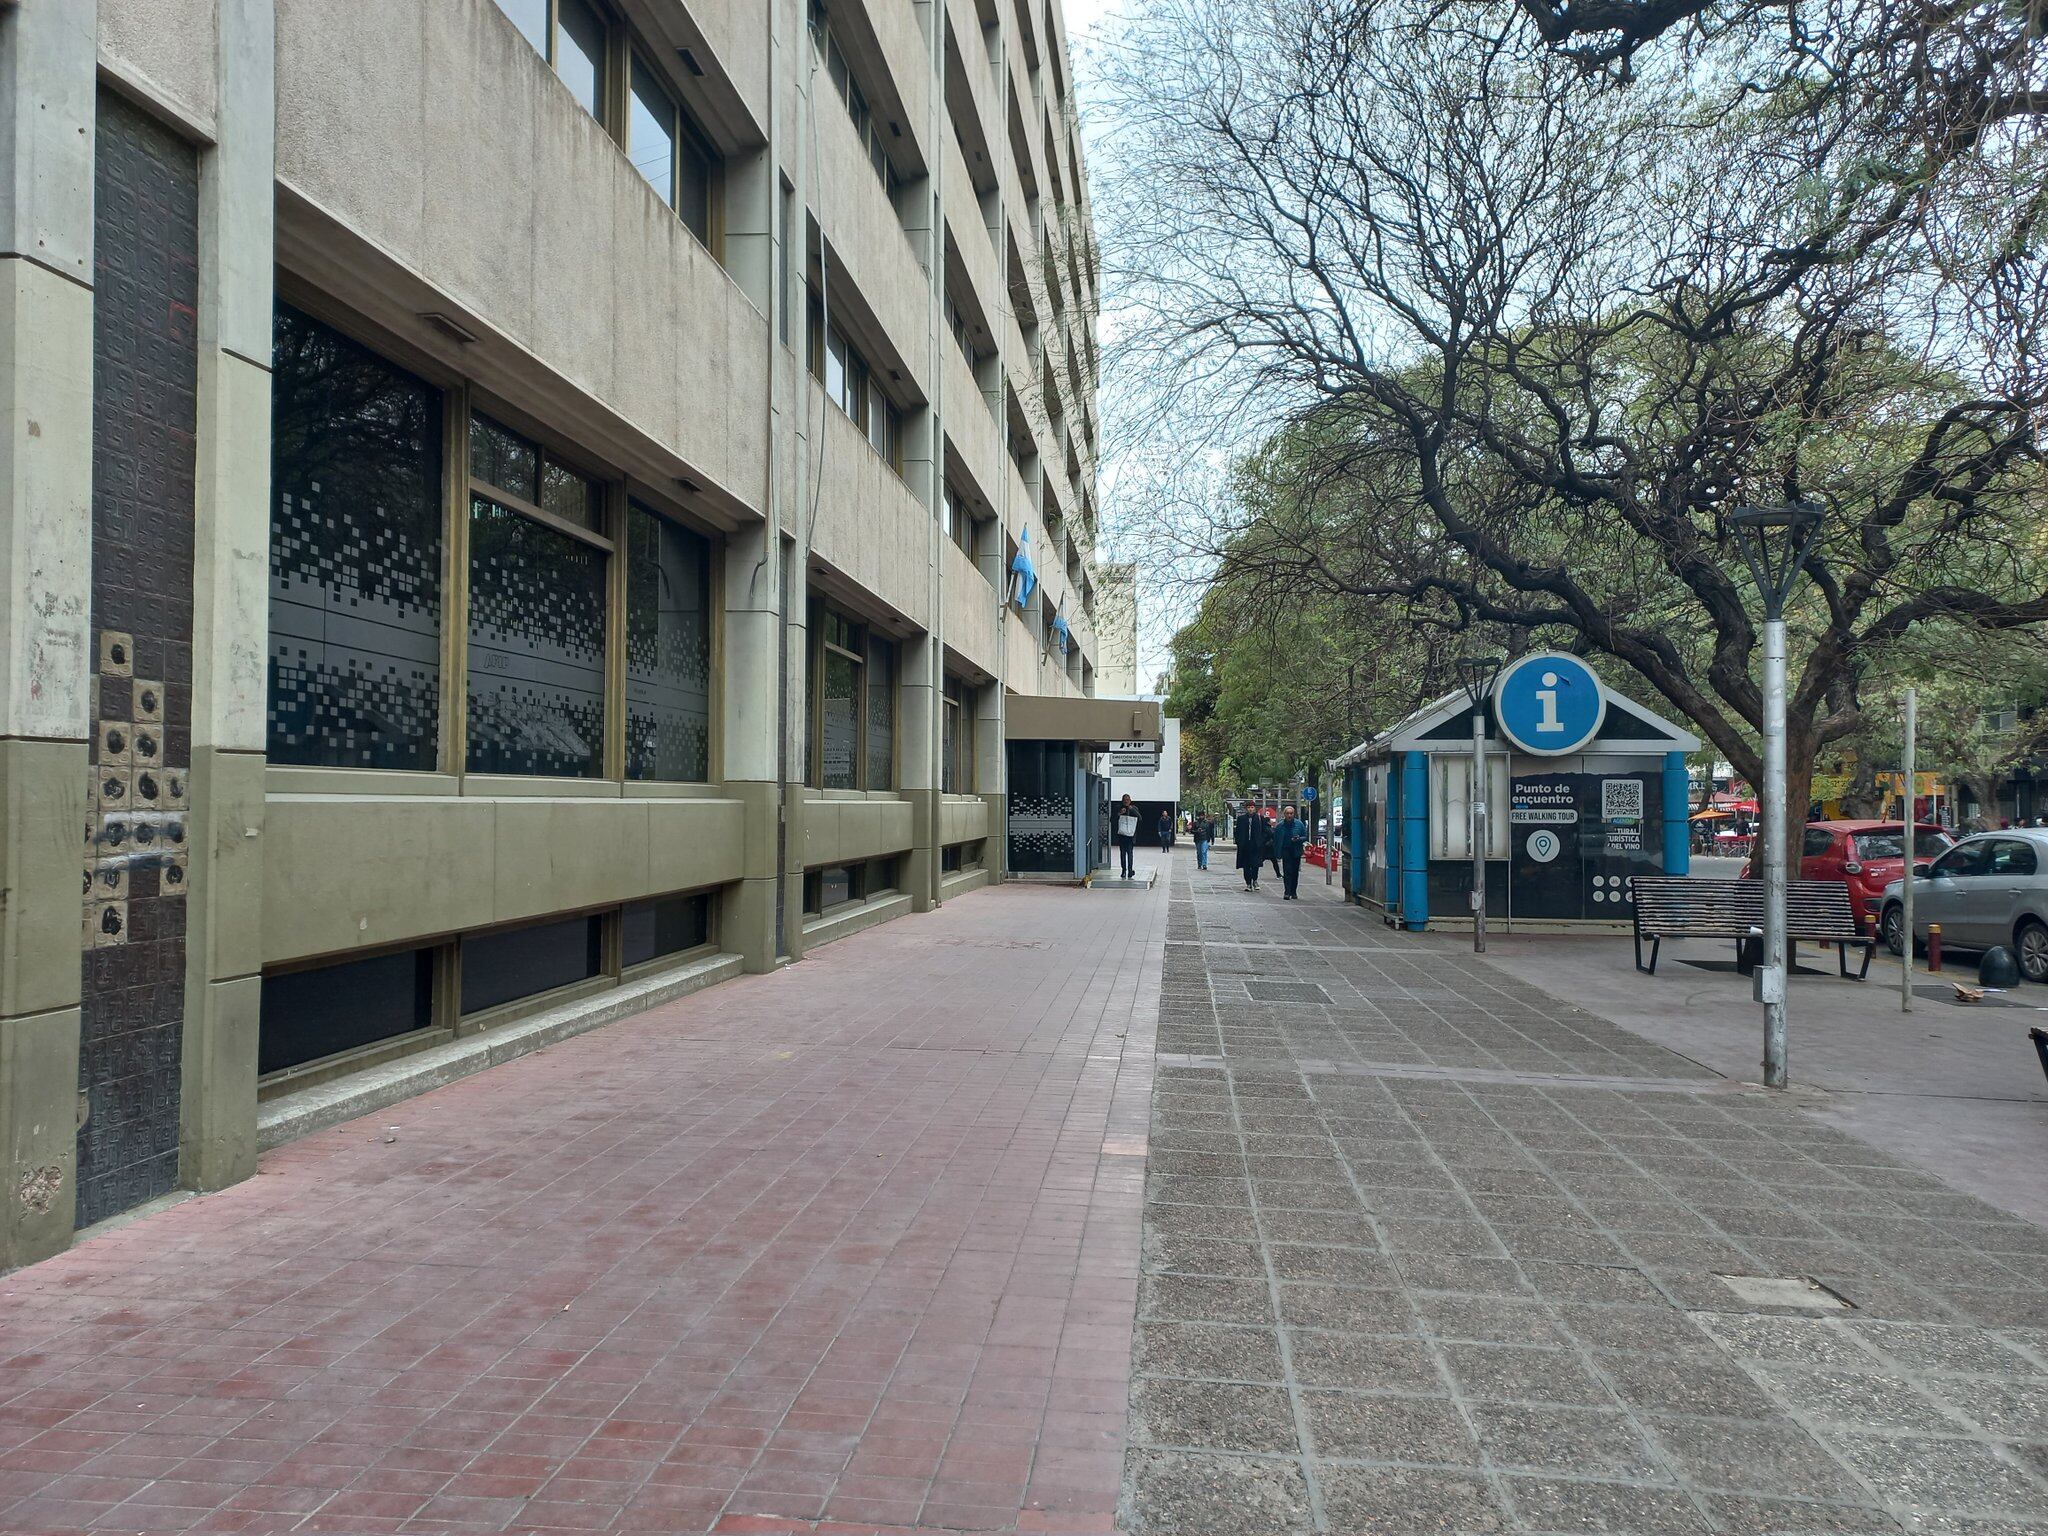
{"x": 857, "y": 1242}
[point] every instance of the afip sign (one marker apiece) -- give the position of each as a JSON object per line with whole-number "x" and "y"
{"x": 1549, "y": 704}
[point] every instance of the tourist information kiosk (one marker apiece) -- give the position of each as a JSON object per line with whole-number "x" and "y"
{"x": 1584, "y": 789}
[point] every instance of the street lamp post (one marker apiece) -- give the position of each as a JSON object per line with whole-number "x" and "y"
{"x": 1775, "y": 541}
{"x": 1477, "y": 674}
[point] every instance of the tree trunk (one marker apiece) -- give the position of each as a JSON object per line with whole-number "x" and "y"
{"x": 1799, "y": 753}
{"x": 1862, "y": 799}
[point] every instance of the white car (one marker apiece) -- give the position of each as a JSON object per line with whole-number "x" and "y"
{"x": 1988, "y": 889}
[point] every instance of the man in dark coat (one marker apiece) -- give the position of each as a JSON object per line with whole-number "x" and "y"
{"x": 1252, "y": 846}
{"x": 1290, "y": 841}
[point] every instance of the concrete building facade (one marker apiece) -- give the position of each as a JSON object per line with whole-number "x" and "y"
{"x": 505, "y": 505}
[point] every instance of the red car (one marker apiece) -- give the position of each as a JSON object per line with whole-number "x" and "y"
{"x": 1866, "y": 856}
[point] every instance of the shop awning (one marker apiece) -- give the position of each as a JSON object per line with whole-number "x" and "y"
{"x": 1713, "y": 815}
{"x": 1089, "y": 722}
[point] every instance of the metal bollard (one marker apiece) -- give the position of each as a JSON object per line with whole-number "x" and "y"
{"x": 1933, "y": 949}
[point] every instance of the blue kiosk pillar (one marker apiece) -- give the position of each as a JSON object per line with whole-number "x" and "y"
{"x": 1677, "y": 815}
{"x": 1414, "y": 841}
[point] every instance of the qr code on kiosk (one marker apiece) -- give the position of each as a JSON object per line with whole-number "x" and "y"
{"x": 1621, "y": 800}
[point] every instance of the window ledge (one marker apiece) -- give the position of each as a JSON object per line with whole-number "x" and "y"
{"x": 853, "y": 916}
{"x": 293, "y": 1115}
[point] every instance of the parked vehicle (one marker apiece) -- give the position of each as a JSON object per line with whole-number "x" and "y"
{"x": 1988, "y": 889}
{"x": 1866, "y": 856}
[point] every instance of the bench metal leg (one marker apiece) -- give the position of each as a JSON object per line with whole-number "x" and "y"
{"x": 1869, "y": 949}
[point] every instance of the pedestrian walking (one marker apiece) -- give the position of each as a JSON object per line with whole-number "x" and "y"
{"x": 1127, "y": 836}
{"x": 1250, "y": 834}
{"x": 1166, "y": 830}
{"x": 1290, "y": 841}
{"x": 1205, "y": 833}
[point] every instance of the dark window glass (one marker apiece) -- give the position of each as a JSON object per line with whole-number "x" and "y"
{"x": 2012, "y": 857}
{"x": 666, "y": 926}
{"x": 536, "y": 647}
{"x": 307, "y": 1015}
{"x": 504, "y": 458}
{"x": 836, "y": 886}
{"x": 573, "y": 497}
{"x": 840, "y": 721}
{"x": 694, "y": 162}
{"x": 520, "y": 962}
{"x": 651, "y": 132}
{"x": 355, "y": 555}
{"x": 1818, "y": 841}
{"x": 1964, "y": 859}
{"x": 531, "y": 18}
{"x": 881, "y": 683}
{"x": 668, "y": 649}
{"x": 949, "y": 751}
{"x": 579, "y": 53}
{"x": 1927, "y": 842}
{"x": 951, "y": 860}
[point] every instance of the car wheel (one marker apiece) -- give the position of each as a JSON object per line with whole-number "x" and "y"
{"x": 1893, "y": 926}
{"x": 2032, "y": 943}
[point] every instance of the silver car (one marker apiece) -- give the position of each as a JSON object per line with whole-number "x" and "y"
{"x": 1988, "y": 889}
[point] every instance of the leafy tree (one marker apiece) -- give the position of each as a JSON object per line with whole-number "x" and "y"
{"x": 1547, "y": 291}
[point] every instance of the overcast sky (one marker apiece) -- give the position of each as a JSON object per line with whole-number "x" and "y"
{"x": 1084, "y": 18}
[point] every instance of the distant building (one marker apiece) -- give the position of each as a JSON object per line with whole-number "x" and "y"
{"x": 1116, "y": 626}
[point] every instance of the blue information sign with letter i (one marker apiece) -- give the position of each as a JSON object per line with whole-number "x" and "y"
{"x": 1549, "y": 703}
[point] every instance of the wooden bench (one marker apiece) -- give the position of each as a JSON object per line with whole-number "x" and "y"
{"x": 1678, "y": 907}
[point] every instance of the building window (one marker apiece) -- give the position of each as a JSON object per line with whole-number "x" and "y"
{"x": 668, "y": 925}
{"x": 852, "y": 704}
{"x": 666, "y": 147}
{"x": 867, "y": 127}
{"x": 957, "y": 764}
{"x": 313, "y": 1014}
{"x": 656, "y": 132}
{"x": 355, "y": 554}
{"x": 537, "y": 579}
{"x": 668, "y": 649}
{"x": 503, "y": 967}
{"x": 570, "y": 35}
{"x": 880, "y": 734}
{"x": 837, "y": 885}
{"x": 850, "y": 384}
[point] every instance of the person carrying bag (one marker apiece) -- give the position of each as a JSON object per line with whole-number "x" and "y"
{"x": 1127, "y": 836}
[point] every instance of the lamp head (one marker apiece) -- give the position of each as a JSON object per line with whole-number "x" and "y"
{"x": 1476, "y": 674}
{"x": 1776, "y": 541}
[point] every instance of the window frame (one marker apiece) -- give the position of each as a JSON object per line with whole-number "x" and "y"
{"x": 859, "y": 636}
{"x": 623, "y": 55}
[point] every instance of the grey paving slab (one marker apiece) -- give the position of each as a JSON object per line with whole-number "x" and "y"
{"x": 1428, "y": 1248}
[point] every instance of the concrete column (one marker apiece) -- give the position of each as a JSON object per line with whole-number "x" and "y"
{"x": 797, "y": 644}
{"x": 917, "y": 755}
{"x": 48, "y": 84}
{"x": 991, "y": 773}
{"x": 230, "y": 642}
{"x": 750, "y": 738}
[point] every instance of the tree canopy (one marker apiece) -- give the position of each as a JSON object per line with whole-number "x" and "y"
{"x": 1530, "y": 298}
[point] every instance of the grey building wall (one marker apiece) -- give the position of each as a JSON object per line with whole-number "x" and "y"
{"x": 424, "y": 180}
